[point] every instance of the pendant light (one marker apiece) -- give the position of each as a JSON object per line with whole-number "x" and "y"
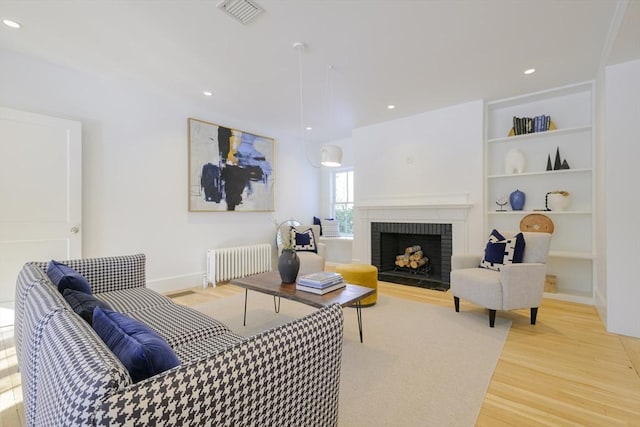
{"x": 330, "y": 155}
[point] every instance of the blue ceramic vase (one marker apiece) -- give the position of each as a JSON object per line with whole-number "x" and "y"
{"x": 516, "y": 199}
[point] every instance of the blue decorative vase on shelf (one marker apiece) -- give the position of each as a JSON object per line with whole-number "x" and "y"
{"x": 516, "y": 199}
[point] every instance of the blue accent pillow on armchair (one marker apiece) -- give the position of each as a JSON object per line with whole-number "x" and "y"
{"x": 501, "y": 251}
{"x": 140, "y": 349}
{"x": 303, "y": 241}
{"x": 65, "y": 277}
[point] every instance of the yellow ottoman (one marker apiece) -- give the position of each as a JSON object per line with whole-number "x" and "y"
{"x": 363, "y": 275}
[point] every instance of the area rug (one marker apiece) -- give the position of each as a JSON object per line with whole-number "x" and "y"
{"x": 419, "y": 364}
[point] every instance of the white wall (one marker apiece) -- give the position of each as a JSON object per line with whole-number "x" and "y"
{"x": 622, "y": 201}
{"x": 434, "y": 153}
{"x": 135, "y": 169}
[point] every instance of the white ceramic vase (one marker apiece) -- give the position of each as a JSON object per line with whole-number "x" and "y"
{"x": 557, "y": 201}
{"x": 514, "y": 162}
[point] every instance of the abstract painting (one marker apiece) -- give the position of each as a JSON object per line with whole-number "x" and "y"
{"x": 229, "y": 170}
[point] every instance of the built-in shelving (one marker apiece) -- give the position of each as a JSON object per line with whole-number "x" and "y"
{"x": 571, "y": 258}
{"x": 539, "y": 173}
{"x": 554, "y": 132}
{"x": 568, "y": 254}
{"x": 549, "y": 213}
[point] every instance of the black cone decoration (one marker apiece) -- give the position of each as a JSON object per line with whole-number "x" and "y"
{"x": 549, "y": 167}
{"x": 558, "y": 163}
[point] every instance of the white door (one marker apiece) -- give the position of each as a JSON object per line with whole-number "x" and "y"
{"x": 40, "y": 193}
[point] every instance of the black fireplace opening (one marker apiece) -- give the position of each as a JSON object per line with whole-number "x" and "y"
{"x": 391, "y": 241}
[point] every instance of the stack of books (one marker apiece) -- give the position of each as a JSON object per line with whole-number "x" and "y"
{"x": 320, "y": 283}
{"x": 524, "y": 125}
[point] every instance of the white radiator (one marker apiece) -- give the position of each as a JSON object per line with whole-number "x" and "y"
{"x": 231, "y": 263}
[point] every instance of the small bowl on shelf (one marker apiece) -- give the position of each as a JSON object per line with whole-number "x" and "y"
{"x": 558, "y": 200}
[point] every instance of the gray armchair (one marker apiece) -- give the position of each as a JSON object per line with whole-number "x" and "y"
{"x": 518, "y": 285}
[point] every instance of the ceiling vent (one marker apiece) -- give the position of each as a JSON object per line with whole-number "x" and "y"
{"x": 242, "y": 10}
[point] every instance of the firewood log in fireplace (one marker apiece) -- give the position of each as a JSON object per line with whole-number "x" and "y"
{"x": 411, "y": 249}
{"x": 411, "y": 263}
{"x": 403, "y": 260}
{"x": 413, "y": 257}
{"x": 419, "y": 263}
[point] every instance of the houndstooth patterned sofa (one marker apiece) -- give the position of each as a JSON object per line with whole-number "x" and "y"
{"x": 288, "y": 375}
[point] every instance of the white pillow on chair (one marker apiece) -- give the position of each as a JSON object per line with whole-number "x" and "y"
{"x": 303, "y": 241}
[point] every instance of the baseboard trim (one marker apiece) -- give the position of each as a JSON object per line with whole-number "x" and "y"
{"x": 601, "y": 307}
{"x": 176, "y": 283}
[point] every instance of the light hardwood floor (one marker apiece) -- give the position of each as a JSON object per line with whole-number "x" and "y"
{"x": 564, "y": 371}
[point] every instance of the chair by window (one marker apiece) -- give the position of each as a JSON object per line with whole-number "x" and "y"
{"x": 312, "y": 256}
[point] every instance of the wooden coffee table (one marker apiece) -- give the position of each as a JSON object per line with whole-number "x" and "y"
{"x": 270, "y": 283}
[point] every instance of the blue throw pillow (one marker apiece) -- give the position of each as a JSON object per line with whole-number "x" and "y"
{"x": 140, "y": 349}
{"x": 518, "y": 252}
{"x": 303, "y": 241}
{"x": 65, "y": 277}
{"x": 501, "y": 251}
{"x": 84, "y": 304}
{"x": 316, "y": 221}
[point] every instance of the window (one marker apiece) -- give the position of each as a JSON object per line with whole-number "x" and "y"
{"x": 343, "y": 200}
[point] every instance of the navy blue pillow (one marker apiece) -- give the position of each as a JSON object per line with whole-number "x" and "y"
{"x": 518, "y": 254}
{"x": 83, "y": 304}
{"x": 500, "y": 250}
{"x": 316, "y": 221}
{"x": 303, "y": 241}
{"x": 140, "y": 349}
{"x": 65, "y": 277}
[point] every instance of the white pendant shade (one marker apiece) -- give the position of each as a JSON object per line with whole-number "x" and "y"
{"x": 331, "y": 156}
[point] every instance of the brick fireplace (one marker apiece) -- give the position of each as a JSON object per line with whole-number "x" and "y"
{"x": 436, "y": 219}
{"x": 390, "y": 239}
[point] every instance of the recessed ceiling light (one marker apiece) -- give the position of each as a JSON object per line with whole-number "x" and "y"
{"x": 207, "y": 93}
{"x": 391, "y": 106}
{"x": 308, "y": 128}
{"x": 11, "y": 23}
{"x": 530, "y": 71}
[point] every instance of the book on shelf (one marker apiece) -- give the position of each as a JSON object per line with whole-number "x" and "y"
{"x": 525, "y": 125}
{"x": 320, "y": 279}
{"x": 320, "y": 291}
{"x": 537, "y": 123}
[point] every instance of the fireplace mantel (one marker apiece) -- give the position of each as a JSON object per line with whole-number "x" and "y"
{"x": 420, "y": 201}
{"x": 439, "y": 208}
